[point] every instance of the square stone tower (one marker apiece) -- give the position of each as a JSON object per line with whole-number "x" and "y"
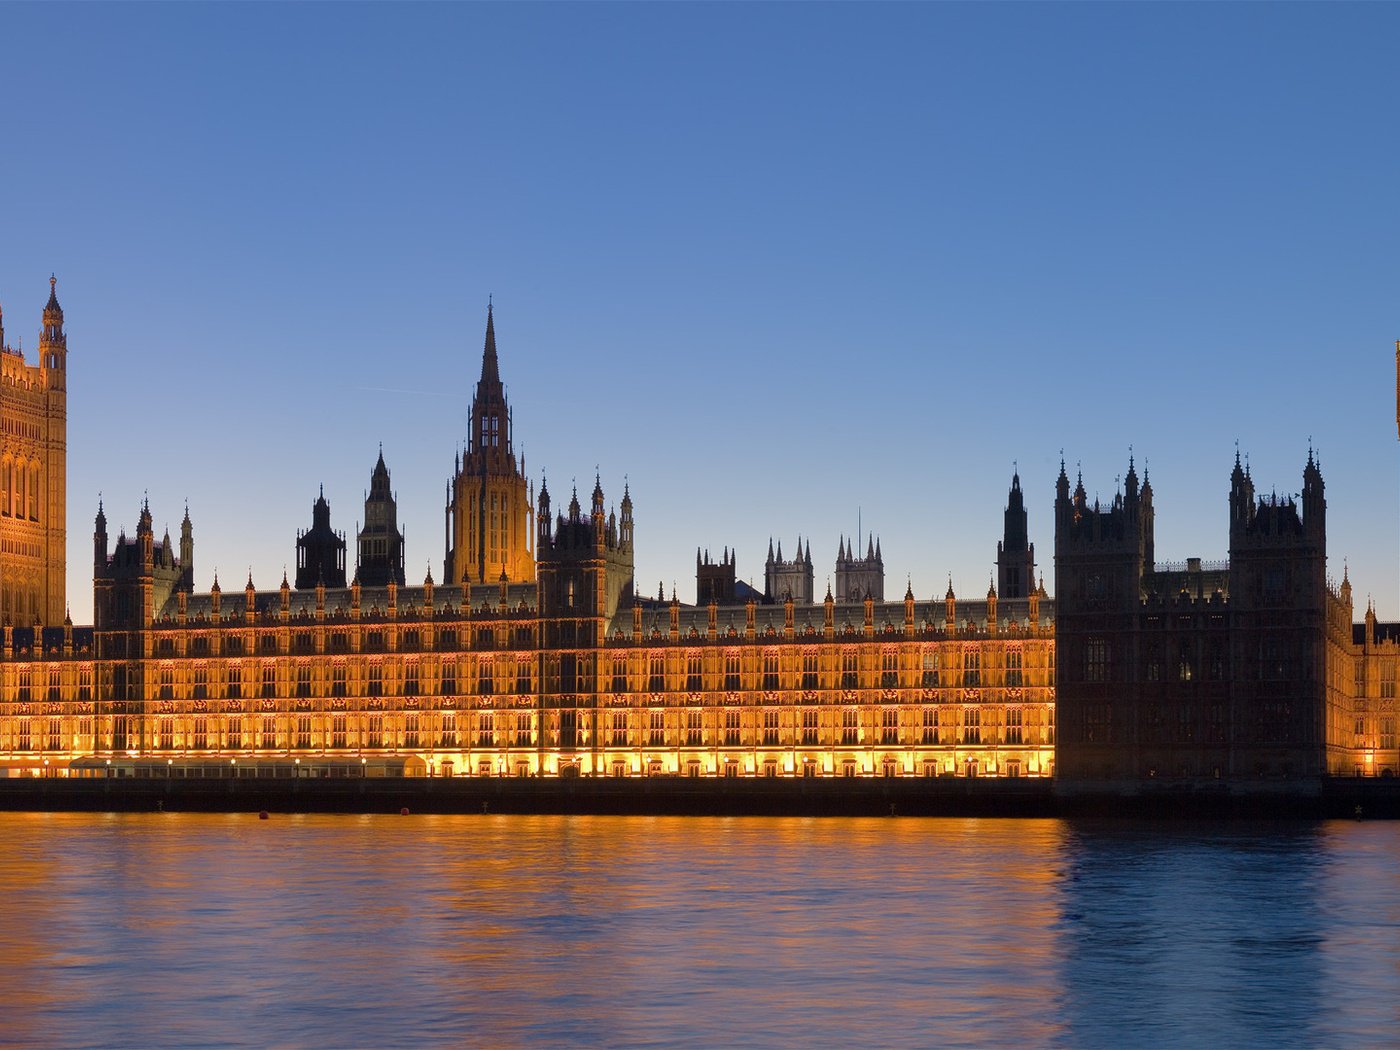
{"x": 33, "y": 475}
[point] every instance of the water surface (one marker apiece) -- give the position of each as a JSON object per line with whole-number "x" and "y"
{"x": 223, "y": 930}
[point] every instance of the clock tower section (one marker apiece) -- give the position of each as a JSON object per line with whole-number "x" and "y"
{"x": 490, "y": 517}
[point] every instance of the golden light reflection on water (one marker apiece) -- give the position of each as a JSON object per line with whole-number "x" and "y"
{"x": 376, "y": 931}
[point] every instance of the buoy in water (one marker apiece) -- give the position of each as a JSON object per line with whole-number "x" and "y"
{"x": 263, "y": 815}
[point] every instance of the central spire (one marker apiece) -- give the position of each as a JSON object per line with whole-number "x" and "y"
{"x": 490, "y": 415}
{"x": 490, "y": 370}
{"x": 489, "y": 518}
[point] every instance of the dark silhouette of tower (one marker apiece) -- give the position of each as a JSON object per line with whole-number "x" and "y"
{"x": 1101, "y": 555}
{"x": 1278, "y": 603}
{"x": 1015, "y": 552}
{"x": 320, "y": 550}
{"x": 714, "y": 581}
{"x": 380, "y": 541}
{"x": 585, "y": 574}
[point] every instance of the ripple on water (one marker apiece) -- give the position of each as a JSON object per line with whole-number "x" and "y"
{"x": 172, "y": 929}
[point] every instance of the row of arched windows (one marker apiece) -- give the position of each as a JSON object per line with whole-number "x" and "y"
{"x": 19, "y": 605}
{"x": 19, "y": 488}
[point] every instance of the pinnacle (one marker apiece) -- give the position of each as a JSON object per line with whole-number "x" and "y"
{"x": 490, "y": 369}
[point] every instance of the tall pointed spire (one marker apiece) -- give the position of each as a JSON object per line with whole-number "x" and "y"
{"x": 53, "y": 313}
{"x": 490, "y": 370}
{"x": 51, "y": 337}
{"x": 380, "y": 542}
{"x": 379, "y": 477}
{"x": 490, "y": 419}
{"x": 1015, "y": 553}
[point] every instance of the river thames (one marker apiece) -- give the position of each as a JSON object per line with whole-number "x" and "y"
{"x": 198, "y": 930}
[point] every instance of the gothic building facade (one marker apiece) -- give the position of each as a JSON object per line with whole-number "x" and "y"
{"x": 1374, "y": 669}
{"x": 490, "y": 517}
{"x": 33, "y": 482}
{"x": 534, "y": 655}
{"x": 1232, "y": 669}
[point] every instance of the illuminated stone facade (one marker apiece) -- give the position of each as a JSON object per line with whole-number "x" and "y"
{"x": 489, "y": 514}
{"x": 569, "y": 674}
{"x": 460, "y": 678}
{"x": 537, "y": 657}
{"x": 33, "y": 484}
{"x": 1370, "y": 719}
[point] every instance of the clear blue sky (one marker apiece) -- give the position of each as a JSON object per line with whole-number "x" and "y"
{"x": 779, "y": 265}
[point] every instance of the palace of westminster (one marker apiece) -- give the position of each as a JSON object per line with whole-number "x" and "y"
{"x": 534, "y": 655}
